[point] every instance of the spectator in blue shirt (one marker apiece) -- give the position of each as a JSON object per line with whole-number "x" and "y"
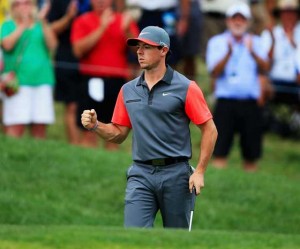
{"x": 234, "y": 60}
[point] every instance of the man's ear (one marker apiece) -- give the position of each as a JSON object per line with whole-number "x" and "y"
{"x": 164, "y": 51}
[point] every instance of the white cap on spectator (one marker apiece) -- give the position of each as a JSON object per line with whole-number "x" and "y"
{"x": 288, "y": 5}
{"x": 239, "y": 8}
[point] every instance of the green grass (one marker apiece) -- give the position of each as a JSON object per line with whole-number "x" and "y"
{"x": 54, "y": 195}
{"x": 95, "y": 237}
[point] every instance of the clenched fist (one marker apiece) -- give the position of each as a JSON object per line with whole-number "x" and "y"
{"x": 89, "y": 119}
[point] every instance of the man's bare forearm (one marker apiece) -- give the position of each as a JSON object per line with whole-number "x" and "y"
{"x": 208, "y": 140}
{"x": 9, "y": 42}
{"x": 111, "y": 132}
{"x": 263, "y": 65}
{"x": 86, "y": 44}
{"x": 219, "y": 68}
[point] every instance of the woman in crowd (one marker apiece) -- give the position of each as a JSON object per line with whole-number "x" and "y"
{"x": 27, "y": 44}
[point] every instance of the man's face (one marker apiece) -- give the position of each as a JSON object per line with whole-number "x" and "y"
{"x": 23, "y": 7}
{"x": 148, "y": 56}
{"x": 237, "y": 25}
{"x": 100, "y": 5}
{"x": 288, "y": 17}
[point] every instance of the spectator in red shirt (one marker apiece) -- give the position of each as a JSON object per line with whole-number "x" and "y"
{"x": 99, "y": 41}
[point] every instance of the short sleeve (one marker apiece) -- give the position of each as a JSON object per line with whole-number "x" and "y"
{"x": 79, "y": 29}
{"x": 298, "y": 60}
{"x": 120, "y": 115}
{"x": 195, "y": 105}
{"x": 261, "y": 47}
{"x": 217, "y": 49}
{"x": 134, "y": 29}
{"x": 266, "y": 39}
{"x": 7, "y": 28}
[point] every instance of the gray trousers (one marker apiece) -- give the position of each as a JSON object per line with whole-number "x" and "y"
{"x": 152, "y": 188}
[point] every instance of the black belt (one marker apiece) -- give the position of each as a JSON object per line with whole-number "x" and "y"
{"x": 163, "y": 161}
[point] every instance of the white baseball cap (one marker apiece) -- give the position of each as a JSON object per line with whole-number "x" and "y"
{"x": 239, "y": 8}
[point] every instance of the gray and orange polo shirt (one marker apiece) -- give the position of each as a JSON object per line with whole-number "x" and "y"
{"x": 160, "y": 118}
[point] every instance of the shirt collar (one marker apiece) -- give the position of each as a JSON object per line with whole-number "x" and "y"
{"x": 167, "y": 77}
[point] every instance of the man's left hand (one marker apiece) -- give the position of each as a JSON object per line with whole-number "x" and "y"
{"x": 197, "y": 181}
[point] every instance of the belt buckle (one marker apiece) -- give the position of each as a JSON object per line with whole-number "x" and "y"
{"x": 158, "y": 162}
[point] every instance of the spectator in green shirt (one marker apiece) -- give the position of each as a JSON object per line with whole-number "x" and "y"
{"x": 27, "y": 44}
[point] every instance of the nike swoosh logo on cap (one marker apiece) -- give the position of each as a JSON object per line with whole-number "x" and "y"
{"x": 144, "y": 33}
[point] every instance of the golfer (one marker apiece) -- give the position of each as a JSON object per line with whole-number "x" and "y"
{"x": 158, "y": 107}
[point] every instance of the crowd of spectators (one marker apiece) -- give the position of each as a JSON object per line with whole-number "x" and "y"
{"x": 75, "y": 51}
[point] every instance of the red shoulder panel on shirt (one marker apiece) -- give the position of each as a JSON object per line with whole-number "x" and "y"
{"x": 120, "y": 115}
{"x": 195, "y": 105}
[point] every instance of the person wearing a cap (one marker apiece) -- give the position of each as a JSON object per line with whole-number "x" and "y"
{"x": 234, "y": 60}
{"x": 282, "y": 42}
{"x": 171, "y": 15}
{"x": 98, "y": 41}
{"x": 158, "y": 107}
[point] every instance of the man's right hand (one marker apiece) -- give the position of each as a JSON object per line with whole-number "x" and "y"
{"x": 72, "y": 10}
{"x": 106, "y": 18}
{"x": 89, "y": 119}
